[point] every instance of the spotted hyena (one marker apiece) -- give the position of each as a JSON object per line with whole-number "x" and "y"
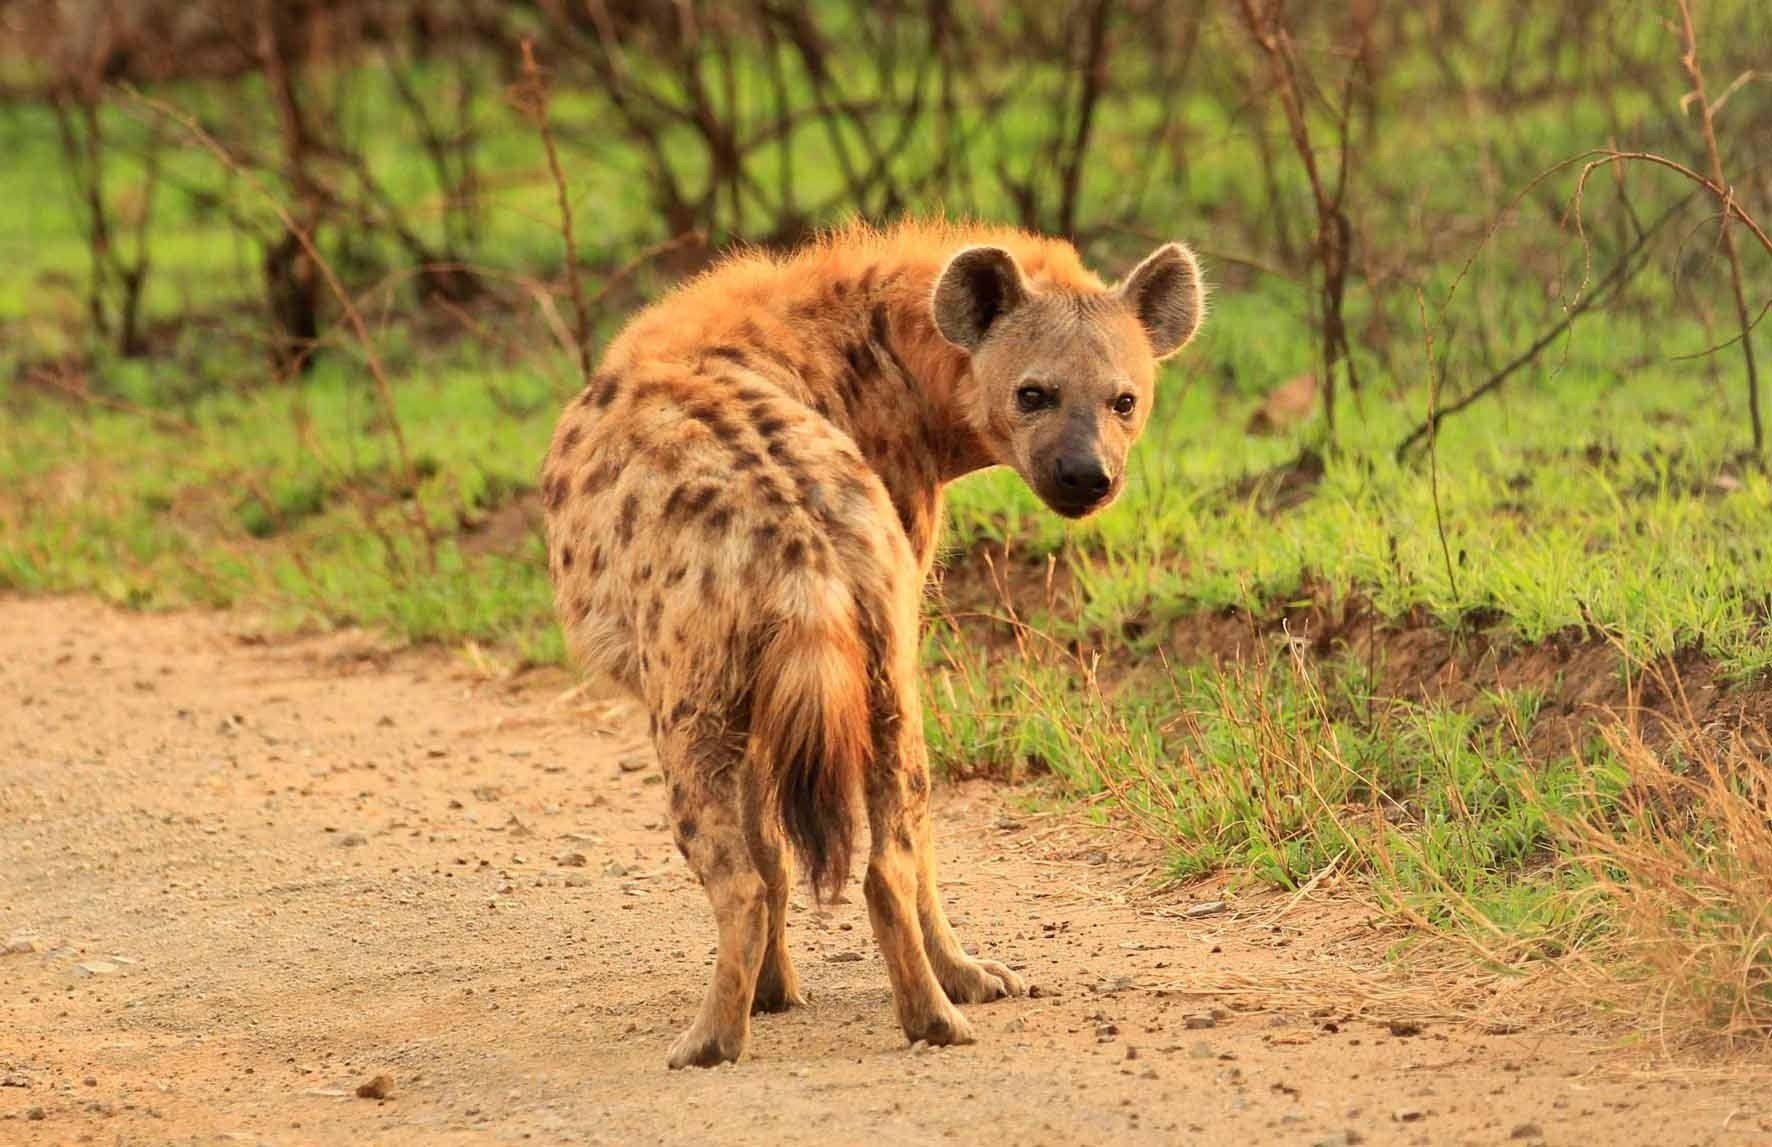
{"x": 742, "y": 508}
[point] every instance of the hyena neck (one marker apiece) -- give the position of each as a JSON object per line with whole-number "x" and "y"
{"x": 900, "y": 390}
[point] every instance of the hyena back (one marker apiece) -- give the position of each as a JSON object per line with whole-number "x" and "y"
{"x": 742, "y": 509}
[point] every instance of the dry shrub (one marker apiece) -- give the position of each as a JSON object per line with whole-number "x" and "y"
{"x": 1681, "y": 871}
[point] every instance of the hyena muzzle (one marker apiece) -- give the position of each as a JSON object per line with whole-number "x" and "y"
{"x": 742, "y": 510}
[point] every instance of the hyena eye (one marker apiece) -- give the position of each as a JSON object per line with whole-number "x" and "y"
{"x": 1030, "y": 399}
{"x": 1125, "y": 404}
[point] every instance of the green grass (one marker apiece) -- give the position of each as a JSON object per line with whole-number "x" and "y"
{"x": 1579, "y": 503}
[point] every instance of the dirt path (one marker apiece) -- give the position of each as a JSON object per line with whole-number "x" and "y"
{"x": 239, "y": 880}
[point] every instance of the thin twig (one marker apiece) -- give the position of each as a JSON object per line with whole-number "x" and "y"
{"x": 1433, "y": 442}
{"x": 534, "y": 102}
{"x": 383, "y": 388}
{"x": 1689, "y": 60}
{"x": 1620, "y": 273}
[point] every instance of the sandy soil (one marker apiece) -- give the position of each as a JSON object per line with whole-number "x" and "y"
{"x": 240, "y": 879}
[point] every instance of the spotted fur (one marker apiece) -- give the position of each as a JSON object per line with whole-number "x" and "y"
{"x": 742, "y": 508}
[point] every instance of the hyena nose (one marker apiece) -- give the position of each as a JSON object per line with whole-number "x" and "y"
{"x": 1083, "y": 477}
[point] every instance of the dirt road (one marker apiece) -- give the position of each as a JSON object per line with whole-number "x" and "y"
{"x": 239, "y": 880}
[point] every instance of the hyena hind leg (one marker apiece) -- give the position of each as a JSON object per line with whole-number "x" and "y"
{"x": 706, "y": 812}
{"x": 778, "y": 985}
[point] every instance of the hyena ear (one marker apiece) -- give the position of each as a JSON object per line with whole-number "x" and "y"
{"x": 1168, "y": 296}
{"x": 978, "y": 286}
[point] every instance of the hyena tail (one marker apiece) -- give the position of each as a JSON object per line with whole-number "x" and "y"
{"x": 810, "y": 725}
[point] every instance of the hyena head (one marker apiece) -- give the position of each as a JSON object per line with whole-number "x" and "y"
{"x": 1062, "y": 375}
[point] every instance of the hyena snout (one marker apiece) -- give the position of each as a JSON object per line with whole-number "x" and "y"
{"x": 1078, "y": 483}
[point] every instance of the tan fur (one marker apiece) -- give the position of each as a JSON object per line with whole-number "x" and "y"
{"x": 742, "y": 510}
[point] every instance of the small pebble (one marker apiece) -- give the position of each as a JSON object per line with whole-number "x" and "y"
{"x": 380, "y": 1087}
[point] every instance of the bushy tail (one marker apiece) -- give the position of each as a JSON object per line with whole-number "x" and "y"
{"x": 810, "y": 727}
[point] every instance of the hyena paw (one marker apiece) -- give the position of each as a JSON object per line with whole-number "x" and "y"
{"x": 945, "y": 1027}
{"x": 699, "y": 1047}
{"x": 980, "y": 982}
{"x": 776, "y": 998}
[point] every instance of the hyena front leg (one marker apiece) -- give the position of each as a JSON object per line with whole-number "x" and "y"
{"x": 964, "y": 979}
{"x": 778, "y": 985}
{"x": 924, "y": 1010}
{"x": 930, "y": 971}
{"x": 706, "y": 810}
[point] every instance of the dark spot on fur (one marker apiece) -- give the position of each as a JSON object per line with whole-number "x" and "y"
{"x": 565, "y": 557}
{"x": 687, "y": 500}
{"x": 731, "y": 354}
{"x": 793, "y": 555}
{"x": 570, "y": 439}
{"x": 885, "y": 906}
{"x": 771, "y": 426}
{"x": 702, "y": 498}
{"x": 624, "y": 525}
{"x": 645, "y": 571}
{"x": 682, "y": 711}
{"x": 859, "y": 361}
{"x": 880, "y": 331}
{"x": 715, "y": 420}
{"x": 674, "y": 575}
{"x": 687, "y": 828}
{"x": 909, "y": 514}
{"x": 596, "y": 561}
{"x": 708, "y": 582}
{"x": 603, "y": 390}
{"x": 595, "y": 479}
{"x": 723, "y": 429}
{"x": 555, "y": 491}
{"x": 766, "y": 535}
{"x": 719, "y": 520}
{"x": 919, "y": 782}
